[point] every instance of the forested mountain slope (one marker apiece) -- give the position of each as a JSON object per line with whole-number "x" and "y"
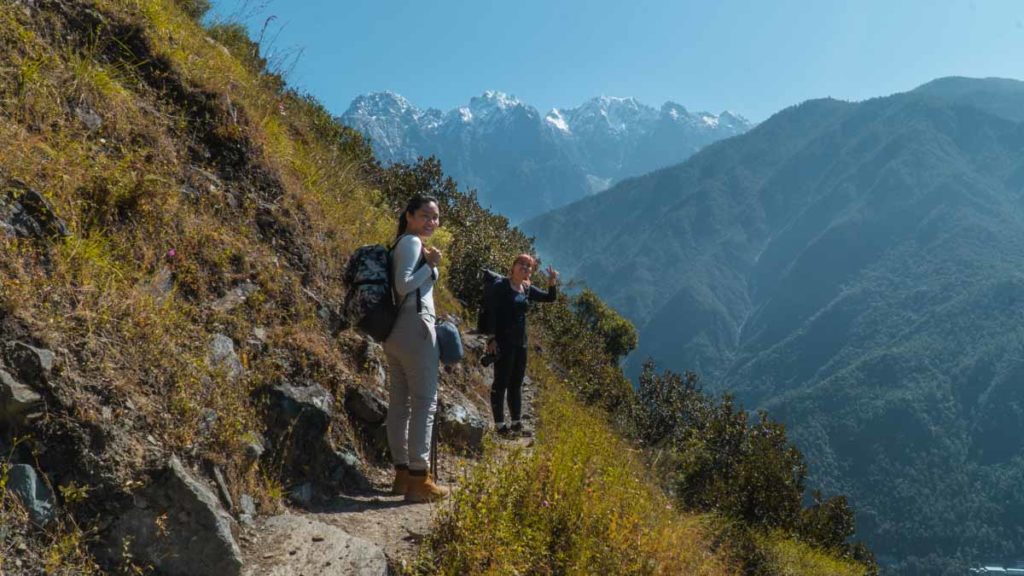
{"x": 855, "y": 268}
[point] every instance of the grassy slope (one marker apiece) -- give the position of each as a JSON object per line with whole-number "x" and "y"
{"x": 581, "y": 500}
{"x": 205, "y": 171}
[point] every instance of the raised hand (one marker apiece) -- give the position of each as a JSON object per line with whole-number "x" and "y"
{"x": 433, "y": 255}
{"x": 552, "y": 276}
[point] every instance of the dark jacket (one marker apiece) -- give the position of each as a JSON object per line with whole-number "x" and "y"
{"x": 506, "y": 311}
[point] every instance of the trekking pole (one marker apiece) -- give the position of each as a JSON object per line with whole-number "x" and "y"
{"x": 433, "y": 451}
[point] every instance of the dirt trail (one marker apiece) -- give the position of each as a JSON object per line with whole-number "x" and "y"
{"x": 319, "y": 541}
{"x": 382, "y": 520}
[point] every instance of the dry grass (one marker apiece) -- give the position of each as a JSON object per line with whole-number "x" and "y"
{"x": 577, "y": 502}
{"x": 789, "y": 557}
{"x": 204, "y": 174}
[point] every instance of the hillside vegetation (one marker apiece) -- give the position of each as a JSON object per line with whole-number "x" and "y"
{"x": 175, "y": 221}
{"x": 854, "y": 268}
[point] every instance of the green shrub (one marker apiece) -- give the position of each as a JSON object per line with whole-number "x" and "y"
{"x": 195, "y": 8}
{"x": 485, "y": 240}
{"x": 619, "y": 335}
{"x": 722, "y": 459}
{"x": 235, "y": 38}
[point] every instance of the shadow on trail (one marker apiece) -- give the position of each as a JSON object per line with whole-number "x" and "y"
{"x": 352, "y": 503}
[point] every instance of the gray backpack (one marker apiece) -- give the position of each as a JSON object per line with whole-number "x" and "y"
{"x": 371, "y": 305}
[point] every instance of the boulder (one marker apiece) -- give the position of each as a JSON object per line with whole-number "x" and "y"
{"x": 18, "y": 402}
{"x": 302, "y": 411}
{"x": 344, "y": 468}
{"x": 178, "y": 526}
{"x": 299, "y": 427}
{"x": 460, "y": 424}
{"x": 296, "y": 545}
{"x": 25, "y": 213}
{"x": 366, "y": 406}
{"x": 33, "y": 365}
{"x": 34, "y": 494}
{"x": 222, "y": 356}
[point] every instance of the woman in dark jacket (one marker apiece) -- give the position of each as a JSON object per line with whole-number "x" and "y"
{"x": 507, "y": 306}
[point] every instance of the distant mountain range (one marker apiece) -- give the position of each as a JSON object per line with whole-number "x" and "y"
{"x": 522, "y": 163}
{"x": 858, "y": 270}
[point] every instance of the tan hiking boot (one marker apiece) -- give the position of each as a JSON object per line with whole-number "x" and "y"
{"x": 401, "y": 483}
{"x": 422, "y": 488}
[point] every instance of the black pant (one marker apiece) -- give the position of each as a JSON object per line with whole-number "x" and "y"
{"x": 509, "y": 370}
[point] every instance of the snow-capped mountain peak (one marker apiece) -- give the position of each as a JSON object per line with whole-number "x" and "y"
{"x": 492, "y": 102}
{"x": 522, "y": 162}
{"x": 674, "y": 111}
{"x": 610, "y": 114}
{"x": 381, "y": 104}
{"x": 709, "y": 120}
{"x": 557, "y": 121}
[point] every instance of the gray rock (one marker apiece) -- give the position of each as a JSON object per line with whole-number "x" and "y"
{"x": 302, "y": 494}
{"x": 18, "y": 402}
{"x": 296, "y": 545}
{"x": 299, "y": 423}
{"x": 33, "y": 365}
{"x": 161, "y": 284}
{"x": 222, "y": 488}
{"x": 310, "y": 407}
{"x": 182, "y": 530}
{"x": 90, "y": 118}
{"x": 366, "y": 405}
{"x": 379, "y": 439}
{"x": 235, "y": 296}
{"x": 247, "y": 509}
{"x": 459, "y": 424}
{"x": 205, "y": 179}
{"x": 344, "y": 467}
{"x": 475, "y": 343}
{"x": 25, "y": 213}
{"x": 222, "y": 356}
{"x": 375, "y": 363}
{"x": 190, "y": 193}
{"x": 33, "y": 493}
{"x": 253, "y": 448}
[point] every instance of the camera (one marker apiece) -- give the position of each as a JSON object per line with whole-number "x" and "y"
{"x": 488, "y": 359}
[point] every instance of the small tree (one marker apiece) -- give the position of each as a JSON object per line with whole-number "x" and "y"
{"x": 619, "y": 335}
{"x": 486, "y": 240}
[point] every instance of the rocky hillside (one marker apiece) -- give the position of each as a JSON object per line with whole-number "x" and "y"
{"x": 522, "y": 163}
{"x": 178, "y": 394}
{"x": 853, "y": 268}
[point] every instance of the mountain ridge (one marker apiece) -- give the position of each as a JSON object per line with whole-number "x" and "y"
{"x": 523, "y": 162}
{"x": 834, "y": 247}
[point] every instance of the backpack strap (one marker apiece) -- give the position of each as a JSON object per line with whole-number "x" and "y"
{"x": 394, "y": 291}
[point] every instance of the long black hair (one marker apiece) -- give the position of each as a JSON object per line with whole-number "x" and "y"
{"x": 415, "y": 203}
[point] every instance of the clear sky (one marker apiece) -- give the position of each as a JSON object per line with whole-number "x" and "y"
{"x": 754, "y": 57}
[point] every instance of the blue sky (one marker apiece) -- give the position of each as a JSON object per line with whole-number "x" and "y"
{"x": 754, "y": 57}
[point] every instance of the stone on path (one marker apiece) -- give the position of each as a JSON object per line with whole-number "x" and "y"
{"x": 292, "y": 544}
